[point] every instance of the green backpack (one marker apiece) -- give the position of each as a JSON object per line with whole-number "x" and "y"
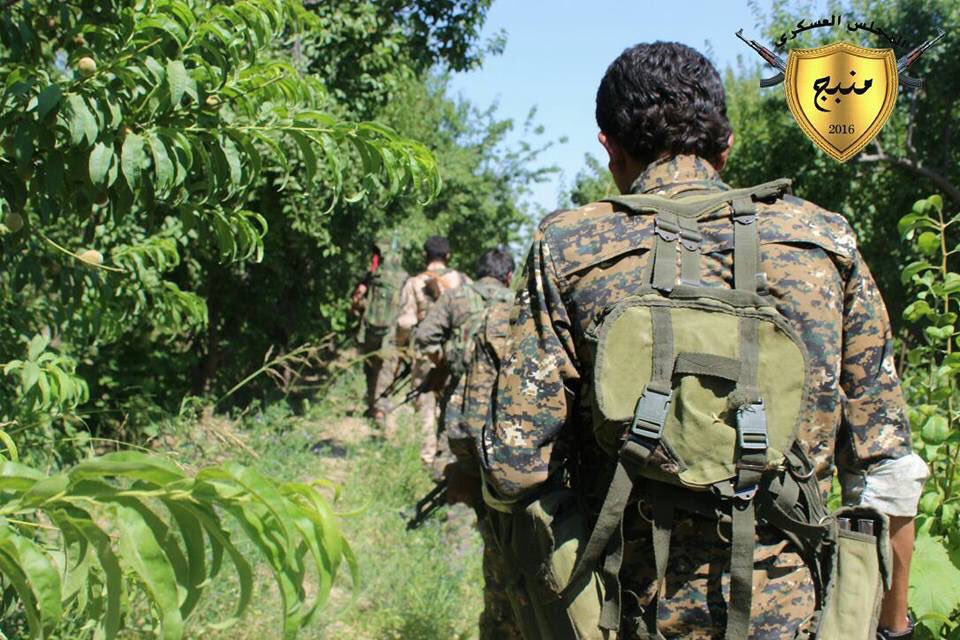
{"x": 383, "y": 295}
{"x": 458, "y": 350}
{"x": 698, "y": 393}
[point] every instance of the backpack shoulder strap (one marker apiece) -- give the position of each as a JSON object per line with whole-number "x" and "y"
{"x": 697, "y": 206}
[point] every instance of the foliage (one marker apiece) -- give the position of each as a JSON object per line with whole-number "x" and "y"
{"x": 930, "y": 383}
{"x": 913, "y": 155}
{"x": 431, "y": 589}
{"x": 106, "y": 524}
{"x": 134, "y": 138}
{"x": 592, "y": 183}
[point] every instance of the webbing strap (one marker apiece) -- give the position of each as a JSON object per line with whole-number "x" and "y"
{"x": 610, "y": 612}
{"x": 667, "y": 230}
{"x": 746, "y": 244}
{"x": 690, "y": 240}
{"x": 741, "y": 570}
{"x": 663, "y": 512}
{"x": 608, "y": 523}
{"x": 663, "y": 354}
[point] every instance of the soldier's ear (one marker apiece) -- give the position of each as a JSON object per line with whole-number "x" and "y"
{"x": 722, "y": 160}
{"x": 623, "y": 167}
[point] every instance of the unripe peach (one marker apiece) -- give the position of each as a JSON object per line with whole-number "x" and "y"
{"x": 92, "y": 257}
{"x": 212, "y": 101}
{"x": 13, "y": 222}
{"x": 87, "y": 66}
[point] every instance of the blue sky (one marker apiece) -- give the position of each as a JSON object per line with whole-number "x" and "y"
{"x": 557, "y": 51}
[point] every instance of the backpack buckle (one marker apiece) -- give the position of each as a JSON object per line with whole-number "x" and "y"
{"x": 752, "y": 426}
{"x": 666, "y": 230}
{"x": 650, "y": 414}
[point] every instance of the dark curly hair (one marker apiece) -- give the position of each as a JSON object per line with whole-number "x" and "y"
{"x": 664, "y": 98}
{"x": 496, "y": 263}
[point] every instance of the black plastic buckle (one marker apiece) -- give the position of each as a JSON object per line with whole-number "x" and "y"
{"x": 752, "y": 426}
{"x": 650, "y": 414}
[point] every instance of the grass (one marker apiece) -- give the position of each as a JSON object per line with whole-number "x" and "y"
{"x": 423, "y": 584}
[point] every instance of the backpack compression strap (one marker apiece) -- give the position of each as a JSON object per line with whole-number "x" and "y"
{"x": 676, "y": 222}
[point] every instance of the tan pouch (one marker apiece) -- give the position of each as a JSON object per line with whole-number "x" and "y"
{"x": 861, "y": 569}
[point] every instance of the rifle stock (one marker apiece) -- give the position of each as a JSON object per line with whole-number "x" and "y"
{"x": 427, "y": 505}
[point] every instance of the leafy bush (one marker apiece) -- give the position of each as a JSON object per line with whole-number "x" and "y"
{"x": 133, "y": 138}
{"x": 930, "y": 383}
{"x": 106, "y": 512}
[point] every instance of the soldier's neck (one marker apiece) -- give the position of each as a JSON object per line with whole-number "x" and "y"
{"x": 436, "y": 265}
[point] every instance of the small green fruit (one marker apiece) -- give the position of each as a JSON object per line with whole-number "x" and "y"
{"x": 87, "y": 66}
{"x": 212, "y": 101}
{"x": 13, "y": 222}
{"x": 92, "y": 257}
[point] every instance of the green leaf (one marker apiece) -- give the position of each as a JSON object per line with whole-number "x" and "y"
{"x": 914, "y": 268}
{"x": 100, "y": 159}
{"x": 928, "y": 243}
{"x": 177, "y": 80}
{"x": 132, "y": 158}
{"x": 141, "y": 553}
{"x": 38, "y": 573}
{"x": 934, "y": 582}
{"x": 48, "y": 100}
{"x": 29, "y": 375}
{"x": 951, "y": 283}
{"x": 935, "y": 430}
{"x": 81, "y": 121}
{"x": 916, "y": 310}
{"x": 162, "y": 164}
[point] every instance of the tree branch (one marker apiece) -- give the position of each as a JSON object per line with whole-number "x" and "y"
{"x": 916, "y": 168}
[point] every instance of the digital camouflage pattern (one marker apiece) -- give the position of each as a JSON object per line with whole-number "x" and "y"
{"x": 452, "y": 312}
{"x": 439, "y": 332}
{"x": 584, "y": 260}
{"x": 489, "y": 350}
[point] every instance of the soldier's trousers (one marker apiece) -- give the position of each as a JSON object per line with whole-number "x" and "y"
{"x": 496, "y": 620}
{"x": 371, "y": 342}
{"x": 426, "y": 418}
{"x": 693, "y": 601}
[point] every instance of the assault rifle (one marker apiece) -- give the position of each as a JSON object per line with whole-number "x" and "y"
{"x": 436, "y": 498}
{"x": 434, "y": 381}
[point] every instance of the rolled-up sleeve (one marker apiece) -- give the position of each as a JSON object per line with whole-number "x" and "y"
{"x": 534, "y": 387}
{"x": 874, "y": 432}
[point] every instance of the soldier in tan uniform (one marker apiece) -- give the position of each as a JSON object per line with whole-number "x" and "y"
{"x": 419, "y": 292}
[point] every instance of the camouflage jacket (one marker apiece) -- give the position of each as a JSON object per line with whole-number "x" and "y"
{"x": 584, "y": 260}
{"x": 448, "y": 315}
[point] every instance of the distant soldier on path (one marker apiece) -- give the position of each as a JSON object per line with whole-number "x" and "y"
{"x": 467, "y": 328}
{"x": 376, "y": 300}
{"x": 418, "y": 294}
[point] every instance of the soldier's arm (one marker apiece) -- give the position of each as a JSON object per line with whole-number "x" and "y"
{"x": 535, "y": 384}
{"x": 878, "y": 466}
{"x": 407, "y": 314}
{"x": 436, "y": 327}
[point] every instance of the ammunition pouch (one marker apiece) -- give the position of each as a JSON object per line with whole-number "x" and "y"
{"x": 540, "y": 540}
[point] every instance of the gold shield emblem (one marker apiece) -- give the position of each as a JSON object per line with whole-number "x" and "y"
{"x": 841, "y": 95}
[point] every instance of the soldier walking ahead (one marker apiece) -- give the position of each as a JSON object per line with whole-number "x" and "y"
{"x": 376, "y": 299}
{"x": 694, "y": 362}
{"x": 467, "y": 329}
{"x": 419, "y": 292}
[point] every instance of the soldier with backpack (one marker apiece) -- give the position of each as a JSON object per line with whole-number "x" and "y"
{"x": 466, "y": 330}
{"x": 689, "y": 365}
{"x": 419, "y": 292}
{"x": 376, "y": 299}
